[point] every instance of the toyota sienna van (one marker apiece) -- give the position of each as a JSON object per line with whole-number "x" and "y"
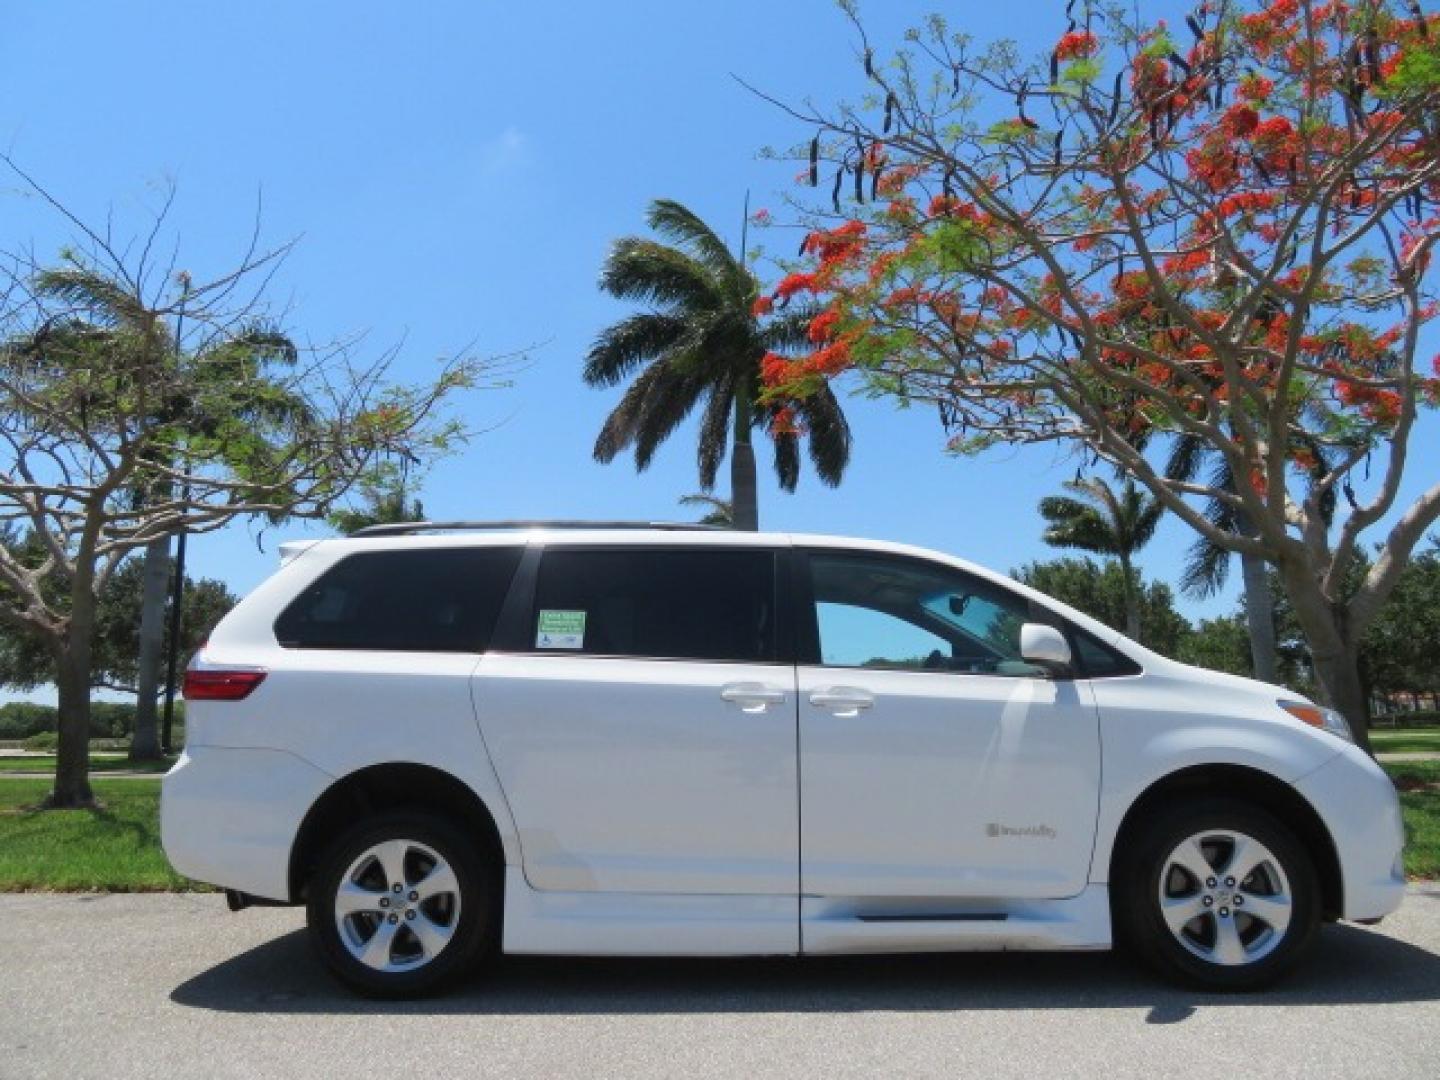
{"x": 612, "y": 740}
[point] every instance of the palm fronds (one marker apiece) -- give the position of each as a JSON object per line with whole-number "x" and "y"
{"x": 700, "y": 345}
{"x": 1101, "y": 520}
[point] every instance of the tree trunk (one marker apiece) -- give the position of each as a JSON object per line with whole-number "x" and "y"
{"x": 145, "y": 741}
{"x": 72, "y": 680}
{"x": 1132, "y": 601}
{"x": 1343, "y": 689}
{"x": 1260, "y": 618}
{"x": 743, "y": 495}
{"x": 1333, "y": 652}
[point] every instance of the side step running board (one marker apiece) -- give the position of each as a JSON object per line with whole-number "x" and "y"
{"x": 966, "y": 916}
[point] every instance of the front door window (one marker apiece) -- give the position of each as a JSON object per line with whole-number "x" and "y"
{"x": 906, "y": 615}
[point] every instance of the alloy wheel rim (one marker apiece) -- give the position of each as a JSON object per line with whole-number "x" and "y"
{"x": 1225, "y": 898}
{"x": 397, "y": 906}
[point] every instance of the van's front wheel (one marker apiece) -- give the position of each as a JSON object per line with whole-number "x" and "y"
{"x": 1219, "y": 895}
{"x": 400, "y": 906}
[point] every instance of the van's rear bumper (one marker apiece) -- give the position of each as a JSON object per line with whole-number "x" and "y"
{"x": 229, "y": 817}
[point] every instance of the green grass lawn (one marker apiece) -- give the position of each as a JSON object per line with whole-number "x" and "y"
{"x": 1405, "y": 740}
{"x": 99, "y": 763}
{"x": 113, "y": 849}
{"x": 117, "y": 848}
{"x": 1419, "y": 784}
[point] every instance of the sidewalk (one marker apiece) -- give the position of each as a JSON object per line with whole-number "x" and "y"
{"x": 11, "y": 756}
{"x": 1410, "y": 755}
{"x": 94, "y": 776}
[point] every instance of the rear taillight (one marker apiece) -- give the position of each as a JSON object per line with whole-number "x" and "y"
{"x": 212, "y": 685}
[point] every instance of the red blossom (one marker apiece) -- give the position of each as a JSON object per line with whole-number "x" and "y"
{"x": 839, "y": 244}
{"x": 890, "y": 183}
{"x": 1247, "y": 202}
{"x": 1077, "y": 45}
{"x": 1214, "y": 163}
{"x": 904, "y": 297}
{"x": 831, "y": 359}
{"x": 774, "y": 369}
{"x": 1276, "y": 133}
{"x": 1186, "y": 263}
{"x": 1239, "y": 121}
{"x": 794, "y": 283}
{"x": 1269, "y": 29}
{"x": 950, "y": 206}
{"x": 822, "y": 327}
{"x": 882, "y": 265}
{"x": 900, "y": 209}
{"x": 1256, "y": 88}
{"x": 785, "y": 422}
{"x": 762, "y": 306}
{"x": 1377, "y": 405}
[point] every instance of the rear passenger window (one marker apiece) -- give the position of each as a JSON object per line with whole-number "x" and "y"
{"x": 673, "y": 604}
{"x": 419, "y": 600}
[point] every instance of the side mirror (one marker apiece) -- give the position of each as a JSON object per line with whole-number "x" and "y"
{"x": 1045, "y": 647}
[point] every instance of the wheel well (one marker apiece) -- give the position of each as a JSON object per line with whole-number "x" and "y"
{"x": 388, "y": 787}
{"x": 1258, "y": 788}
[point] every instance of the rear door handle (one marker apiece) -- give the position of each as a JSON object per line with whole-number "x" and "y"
{"x": 843, "y": 701}
{"x": 752, "y": 697}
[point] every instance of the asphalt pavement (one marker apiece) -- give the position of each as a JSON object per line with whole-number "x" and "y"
{"x": 174, "y": 986}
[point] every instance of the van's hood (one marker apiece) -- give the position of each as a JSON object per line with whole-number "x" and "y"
{"x": 1269, "y": 692}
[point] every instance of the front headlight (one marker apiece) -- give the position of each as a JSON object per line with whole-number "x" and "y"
{"x": 1320, "y": 717}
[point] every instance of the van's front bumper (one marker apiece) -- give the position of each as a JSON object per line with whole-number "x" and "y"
{"x": 229, "y": 817}
{"x": 1359, "y": 806}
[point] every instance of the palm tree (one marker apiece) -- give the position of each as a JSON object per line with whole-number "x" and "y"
{"x": 1207, "y": 566}
{"x": 721, "y": 513}
{"x": 1106, "y": 523}
{"x": 113, "y": 319}
{"x": 386, "y": 503}
{"x": 701, "y": 343}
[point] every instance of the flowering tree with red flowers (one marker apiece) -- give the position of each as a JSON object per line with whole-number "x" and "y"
{"x": 1214, "y": 236}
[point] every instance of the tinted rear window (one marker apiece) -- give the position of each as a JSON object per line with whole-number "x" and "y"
{"x": 423, "y": 600}
{"x": 681, "y": 604}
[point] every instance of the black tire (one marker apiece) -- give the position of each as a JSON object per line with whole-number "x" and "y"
{"x": 472, "y": 931}
{"x": 1140, "y": 924}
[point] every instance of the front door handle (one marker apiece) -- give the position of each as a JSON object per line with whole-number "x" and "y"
{"x": 842, "y": 701}
{"x": 752, "y": 697}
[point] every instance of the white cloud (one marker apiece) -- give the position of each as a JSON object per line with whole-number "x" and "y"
{"x": 504, "y": 153}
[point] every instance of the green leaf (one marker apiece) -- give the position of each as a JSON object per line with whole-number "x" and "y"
{"x": 1082, "y": 72}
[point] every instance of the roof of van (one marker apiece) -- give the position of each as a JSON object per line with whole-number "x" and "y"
{"x": 579, "y": 533}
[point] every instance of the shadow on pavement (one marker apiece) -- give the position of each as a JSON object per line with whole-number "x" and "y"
{"x": 1349, "y": 966}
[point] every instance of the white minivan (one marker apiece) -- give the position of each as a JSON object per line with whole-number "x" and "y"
{"x": 643, "y": 740}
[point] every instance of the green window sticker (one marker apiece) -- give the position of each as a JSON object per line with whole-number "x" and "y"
{"x": 560, "y": 630}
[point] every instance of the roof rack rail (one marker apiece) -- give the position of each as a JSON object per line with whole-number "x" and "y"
{"x": 409, "y": 528}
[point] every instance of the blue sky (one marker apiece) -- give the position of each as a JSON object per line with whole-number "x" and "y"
{"x": 455, "y": 172}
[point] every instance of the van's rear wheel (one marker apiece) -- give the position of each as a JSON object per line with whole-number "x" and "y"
{"x": 400, "y": 905}
{"x": 1219, "y": 895}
